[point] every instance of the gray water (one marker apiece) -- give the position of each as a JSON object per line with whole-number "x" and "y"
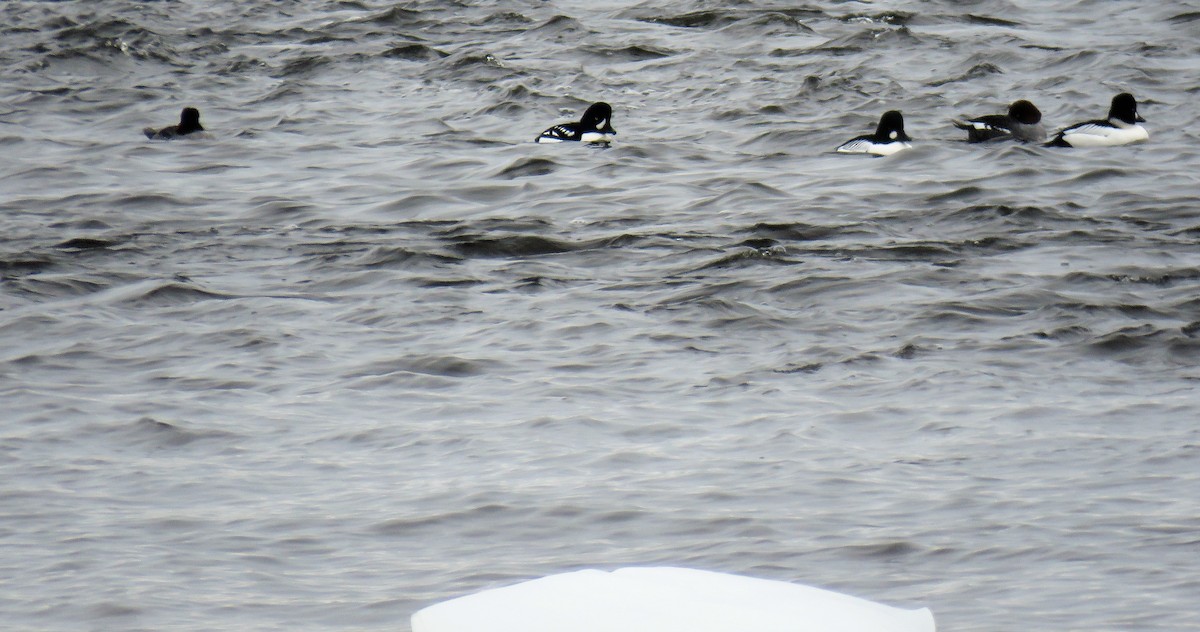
{"x": 369, "y": 347}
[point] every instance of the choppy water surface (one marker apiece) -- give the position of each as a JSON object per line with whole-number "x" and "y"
{"x": 369, "y": 347}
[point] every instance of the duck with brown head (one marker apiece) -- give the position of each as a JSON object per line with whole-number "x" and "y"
{"x": 189, "y": 123}
{"x": 1023, "y": 122}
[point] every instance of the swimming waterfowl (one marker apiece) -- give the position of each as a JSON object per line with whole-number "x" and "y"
{"x": 594, "y": 127}
{"x": 1120, "y": 128}
{"x": 189, "y": 123}
{"x": 889, "y": 137}
{"x": 1023, "y": 122}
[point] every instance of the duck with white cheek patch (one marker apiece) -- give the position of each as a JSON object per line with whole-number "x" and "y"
{"x": 594, "y": 127}
{"x": 889, "y": 138}
{"x": 1120, "y": 128}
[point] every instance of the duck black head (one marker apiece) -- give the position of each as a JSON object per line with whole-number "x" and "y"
{"x": 1124, "y": 109}
{"x": 891, "y": 127}
{"x": 189, "y": 121}
{"x": 598, "y": 117}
